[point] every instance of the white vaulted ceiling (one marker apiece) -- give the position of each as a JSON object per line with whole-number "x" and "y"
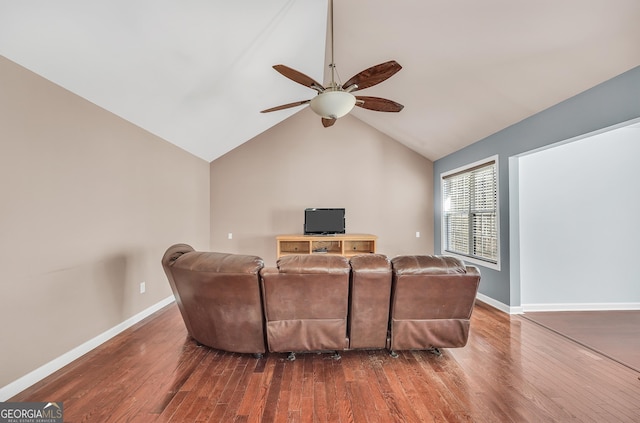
{"x": 197, "y": 72}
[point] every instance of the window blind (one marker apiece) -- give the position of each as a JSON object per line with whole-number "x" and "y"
{"x": 470, "y": 212}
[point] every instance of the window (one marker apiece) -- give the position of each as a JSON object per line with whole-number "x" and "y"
{"x": 470, "y": 212}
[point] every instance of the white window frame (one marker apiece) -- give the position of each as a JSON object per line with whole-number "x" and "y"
{"x": 443, "y": 238}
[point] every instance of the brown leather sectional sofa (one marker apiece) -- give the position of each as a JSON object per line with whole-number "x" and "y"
{"x": 322, "y": 302}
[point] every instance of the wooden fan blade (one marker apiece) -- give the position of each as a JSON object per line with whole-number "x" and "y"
{"x": 372, "y": 76}
{"x": 285, "y": 106}
{"x": 378, "y": 104}
{"x": 299, "y": 77}
{"x": 328, "y": 122}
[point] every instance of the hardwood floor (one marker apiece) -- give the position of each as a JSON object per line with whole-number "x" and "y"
{"x": 613, "y": 333}
{"x": 512, "y": 370}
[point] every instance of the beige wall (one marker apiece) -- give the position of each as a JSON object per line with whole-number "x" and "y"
{"x": 88, "y": 205}
{"x": 90, "y": 202}
{"x": 261, "y": 188}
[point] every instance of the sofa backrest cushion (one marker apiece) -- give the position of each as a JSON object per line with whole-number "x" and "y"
{"x": 369, "y": 301}
{"x": 200, "y": 261}
{"x": 443, "y": 288}
{"x": 370, "y": 263}
{"x": 313, "y": 263}
{"x": 426, "y": 265}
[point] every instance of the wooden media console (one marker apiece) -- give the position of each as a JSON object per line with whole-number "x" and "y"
{"x": 343, "y": 244}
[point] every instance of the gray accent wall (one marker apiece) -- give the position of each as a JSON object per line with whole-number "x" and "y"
{"x": 610, "y": 103}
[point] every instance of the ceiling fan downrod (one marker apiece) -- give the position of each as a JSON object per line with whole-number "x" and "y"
{"x": 332, "y": 65}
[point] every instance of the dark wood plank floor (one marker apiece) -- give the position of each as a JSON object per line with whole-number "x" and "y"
{"x": 512, "y": 370}
{"x": 614, "y": 333}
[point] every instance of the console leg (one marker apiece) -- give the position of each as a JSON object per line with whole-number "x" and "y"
{"x": 291, "y": 356}
{"x": 336, "y": 355}
{"x": 393, "y": 354}
{"x": 258, "y": 355}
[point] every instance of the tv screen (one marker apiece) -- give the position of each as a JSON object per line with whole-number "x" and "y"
{"x": 324, "y": 221}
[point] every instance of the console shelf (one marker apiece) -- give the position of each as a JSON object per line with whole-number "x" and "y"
{"x": 343, "y": 244}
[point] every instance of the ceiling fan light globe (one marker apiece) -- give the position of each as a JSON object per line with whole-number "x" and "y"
{"x": 333, "y": 104}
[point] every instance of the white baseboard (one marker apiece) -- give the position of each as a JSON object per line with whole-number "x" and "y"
{"x": 56, "y": 364}
{"x": 497, "y": 304}
{"x": 556, "y": 307}
{"x": 580, "y": 307}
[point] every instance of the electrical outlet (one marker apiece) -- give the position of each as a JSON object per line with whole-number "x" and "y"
{"x": 417, "y": 234}
{"x": 230, "y": 235}
{"x": 143, "y": 287}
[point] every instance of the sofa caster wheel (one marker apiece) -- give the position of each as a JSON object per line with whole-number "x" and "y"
{"x": 435, "y": 351}
{"x": 258, "y": 355}
{"x": 291, "y": 356}
{"x": 336, "y": 356}
{"x": 393, "y": 354}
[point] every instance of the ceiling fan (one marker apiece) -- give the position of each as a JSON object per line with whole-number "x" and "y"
{"x": 336, "y": 100}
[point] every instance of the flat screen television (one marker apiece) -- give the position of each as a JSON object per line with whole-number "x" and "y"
{"x": 327, "y": 221}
